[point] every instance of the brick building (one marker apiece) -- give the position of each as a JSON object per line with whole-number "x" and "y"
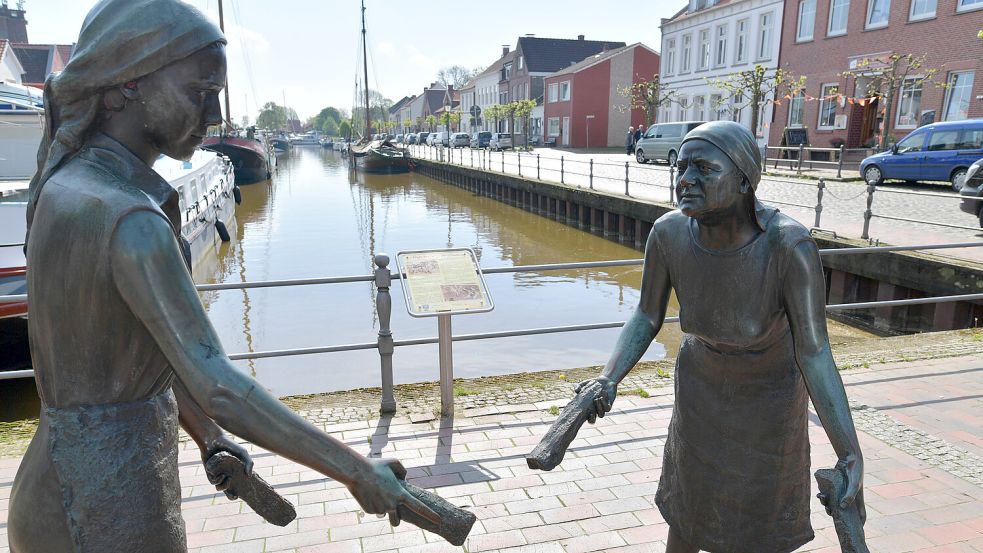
{"x": 584, "y": 102}
{"x": 823, "y": 38}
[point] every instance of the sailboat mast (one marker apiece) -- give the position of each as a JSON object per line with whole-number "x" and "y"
{"x": 365, "y": 68}
{"x": 221, "y": 24}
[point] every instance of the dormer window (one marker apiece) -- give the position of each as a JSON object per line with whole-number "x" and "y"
{"x": 520, "y": 62}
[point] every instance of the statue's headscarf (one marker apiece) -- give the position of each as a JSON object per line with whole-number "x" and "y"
{"x": 738, "y": 144}
{"x": 120, "y": 41}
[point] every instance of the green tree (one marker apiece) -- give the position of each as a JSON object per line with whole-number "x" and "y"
{"x": 273, "y": 116}
{"x": 334, "y": 114}
{"x": 522, "y": 110}
{"x": 431, "y": 120}
{"x": 887, "y": 75}
{"x": 456, "y": 119}
{"x": 407, "y": 124}
{"x": 330, "y": 127}
{"x": 647, "y": 96}
{"x": 345, "y": 129}
{"x": 494, "y": 112}
{"x": 752, "y": 87}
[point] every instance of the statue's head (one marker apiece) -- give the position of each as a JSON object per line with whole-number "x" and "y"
{"x": 719, "y": 170}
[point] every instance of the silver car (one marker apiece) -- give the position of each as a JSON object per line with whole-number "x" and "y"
{"x": 500, "y": 141}
{"x": 662, "y": 140}
{"x": 460, "y": 140}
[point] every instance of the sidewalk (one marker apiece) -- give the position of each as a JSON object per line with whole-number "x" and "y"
{"x": 919, "y": 424}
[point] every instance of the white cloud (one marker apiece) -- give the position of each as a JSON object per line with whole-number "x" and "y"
{"x": 385, "y": 48}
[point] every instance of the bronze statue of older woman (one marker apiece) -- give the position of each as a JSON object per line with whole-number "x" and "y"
{"x": 751, "y": 293}
{"x": 116, "y": 323}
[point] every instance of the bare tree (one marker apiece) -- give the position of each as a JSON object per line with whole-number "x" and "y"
{"x": 457, "y": 75}
{"x": 647, "y": 96}
{"x": 886, "y": 77}
{"x": 750, "y": 88}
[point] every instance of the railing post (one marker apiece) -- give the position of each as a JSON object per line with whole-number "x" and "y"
{"x": 446, "y": 357}
{"x": 503, "y": 161}
{"x": 819, "y": 202}
{"x": 798, "y": 168}
{"x": 868, "y": 214}
{"x": 471, "y": 153}
{"x": 537, "y": 167}
{"x": 591, "y": 181}
{"x": 626, "y": 179}
{"x": 384, "y": 304}
{"x": 839, "y": 167}
{"x": 561, "y": 169}
{"x": 672, "y": 185}
{"x": 518, "y": 158}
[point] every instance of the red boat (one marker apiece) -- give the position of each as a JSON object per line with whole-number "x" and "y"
{"x": 250, "y": 157}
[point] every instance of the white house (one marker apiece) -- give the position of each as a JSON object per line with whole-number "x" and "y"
{"x": 711, "y": 39}
{"x": 486, "y": 87}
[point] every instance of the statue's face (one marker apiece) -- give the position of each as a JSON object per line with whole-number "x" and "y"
{"x": 181, "y": 101}
{"x": 708, "y": 183}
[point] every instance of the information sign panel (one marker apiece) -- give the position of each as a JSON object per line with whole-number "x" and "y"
{"x": 443, "y": 282}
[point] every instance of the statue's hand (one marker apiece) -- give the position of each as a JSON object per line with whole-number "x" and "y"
{"x": 381, "y": 492}
{"x": 605, "y": 398}
{"x": 223, "y": 480}
{"x": 852, "y": 467}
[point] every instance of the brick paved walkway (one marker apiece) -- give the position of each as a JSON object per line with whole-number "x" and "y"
{"x": 844, "y": 203}
{"x": 920, "y": 426}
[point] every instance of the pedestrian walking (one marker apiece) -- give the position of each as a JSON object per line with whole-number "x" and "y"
{"x": 630, "y": 141}
{"x": 638, "y": 136}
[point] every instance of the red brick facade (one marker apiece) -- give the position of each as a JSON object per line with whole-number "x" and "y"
{"x": 948, "y": 40}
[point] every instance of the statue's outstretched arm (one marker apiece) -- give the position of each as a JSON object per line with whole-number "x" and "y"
{"x": 805, "y": 305}
{"x": 149, "y": 272}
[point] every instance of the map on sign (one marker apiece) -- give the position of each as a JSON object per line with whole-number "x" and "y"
{"x": 442, "y": 282}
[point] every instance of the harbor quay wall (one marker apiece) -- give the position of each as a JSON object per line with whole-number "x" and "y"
{"x": 849, "y": 278}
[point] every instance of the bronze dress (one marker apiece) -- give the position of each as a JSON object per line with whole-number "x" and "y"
{"x": 105, "y": 454}
{"x": 735, "y": 476}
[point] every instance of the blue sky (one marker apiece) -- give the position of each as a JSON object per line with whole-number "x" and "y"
{"x": 306, "y": 49}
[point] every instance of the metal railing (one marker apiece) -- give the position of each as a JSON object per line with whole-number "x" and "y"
{"x": 798, "y": 161}
{"x": 647, "y": 176}
{"x": 385, "y": 344}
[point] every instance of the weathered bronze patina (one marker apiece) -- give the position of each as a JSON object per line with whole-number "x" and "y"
{"x": 120, "y": 341}
{"x": 751, "y": 292}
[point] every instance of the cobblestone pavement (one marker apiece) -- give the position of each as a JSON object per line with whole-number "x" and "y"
{"x": 844, "y": 203}
{"x": 919, "y": 425}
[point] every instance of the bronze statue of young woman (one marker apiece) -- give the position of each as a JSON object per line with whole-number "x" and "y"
{"x": 116, "y": 323}
{"x": 751, "y": 293}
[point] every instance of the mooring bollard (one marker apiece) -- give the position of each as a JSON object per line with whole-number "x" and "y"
{"x": 537, "y": 167}
{"x": 384, "y": 304}
{"x": 672, "y": 185}
{"x": 561, "y": 169}
{"x": 839, "y": 167}
{"x": 798, "y": 169}
{"x": 819, "y": 202}
{"x": 868, "y": 214}
{"x": 626, "y": 179}
{"x": 591, "y": 181}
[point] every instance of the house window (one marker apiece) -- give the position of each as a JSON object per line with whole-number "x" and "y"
{"x": 520, "y": 62}
{"x": 838, "y": 12}
{"x": 827, "y": 106}
{"x": 699, "y": 108}
{"x": 967, "y": 5}
{"x": 764, "y": 36}
{"x": 721, "y": 57}
{"x": 508, "y": 71}
{"x": 910, "y": 104}
{"x": 503, "y": 97}
{"x": 878, "y": 12}
{"x": 705, "y": 49}
{"x": 807, "y": 20}
{"x": 683, "y": 108}
{"x": 796, "y": 109}
{"x": 716, "y": 108}
{"x": 684, "y": 64}
{"x": 554, "y": 126}
{"x": 554, "y": 92}
{"x": 670, "y": 65}
{"x": 565, "y": 91}
{"x": 922, "y": 9}
{"x": 957, "y": 96}
{"x": 740, "y": 53}
{"x": 736, "y": 108}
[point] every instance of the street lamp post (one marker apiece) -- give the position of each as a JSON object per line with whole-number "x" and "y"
{"x": 588, "y": 118}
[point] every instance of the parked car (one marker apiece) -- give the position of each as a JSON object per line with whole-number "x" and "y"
{"x": 421, "y": 138}
{"x": 662, "y": 140}
{"x": 480, "y": 139}
{"x": 500, "y": 141}
{"x": 936, "y": 152}
{"x": 410, "y": 138}
{"x": 399, "y": 139}
{"x": 459, "y": 140}
{"x": 973, "y": 188}
{"x": 440, "y": 138}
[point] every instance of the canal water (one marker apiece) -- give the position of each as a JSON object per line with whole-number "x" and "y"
{"x": 317, "y": 219}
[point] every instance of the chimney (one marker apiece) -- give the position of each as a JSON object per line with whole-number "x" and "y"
{"x": 580, "y": 37}
{"x": 505, "y": 50}
{"x": 604, "y": 48}
{"x": 531, "y": 35}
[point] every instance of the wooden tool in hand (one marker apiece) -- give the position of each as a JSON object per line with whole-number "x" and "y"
{"x": 561, "y": 434}
{"x": 455, "y": 523}
{"x": 849, "y": 527}
{"x": 255, "y": 491}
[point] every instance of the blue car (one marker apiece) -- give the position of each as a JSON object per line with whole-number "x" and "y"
{"x": 937, "y": 152}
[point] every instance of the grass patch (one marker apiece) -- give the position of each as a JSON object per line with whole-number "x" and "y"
{"x": 461, "y": 391}
{"x": 553, "y": 410}
{"x": 636, "y": 392}
{"x": 662, "y": 373}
